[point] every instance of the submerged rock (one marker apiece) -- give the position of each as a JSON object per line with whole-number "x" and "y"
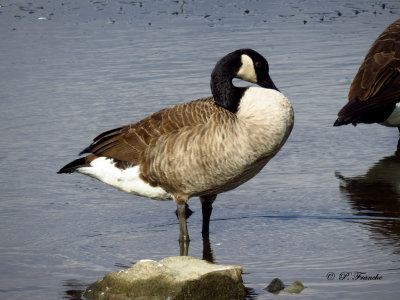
{"x": 294, "y": 288}
{"x": 275, "y": 286}
{"x": 180, "y": 277}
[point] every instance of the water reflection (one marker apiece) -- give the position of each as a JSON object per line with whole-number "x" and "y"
{"x": 74, "y": 289}
{"x": 207, "y": 251}
{"x": 377, "y": 194}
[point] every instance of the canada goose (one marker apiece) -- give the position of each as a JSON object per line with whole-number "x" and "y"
{"x": 199, "y": 148}
{"x": 375, "y": 92}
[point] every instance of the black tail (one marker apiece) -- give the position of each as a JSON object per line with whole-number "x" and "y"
{"x": 340, "y": 122}
{"x": 72, "y": 166}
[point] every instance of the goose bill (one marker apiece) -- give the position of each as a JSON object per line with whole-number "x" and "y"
{"x": 268, "y": 84}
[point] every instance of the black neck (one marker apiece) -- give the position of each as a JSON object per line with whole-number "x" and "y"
{"x": 225, "y": 93}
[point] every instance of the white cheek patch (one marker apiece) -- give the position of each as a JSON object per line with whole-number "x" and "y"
{"x": 247, "y": 71}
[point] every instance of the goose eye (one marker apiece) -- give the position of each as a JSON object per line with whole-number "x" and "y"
{"x": 258, "y": 65}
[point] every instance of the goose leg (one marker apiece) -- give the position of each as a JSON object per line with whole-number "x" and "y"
{"x": 206, "y": 207}
{"x": 183, "y": 232}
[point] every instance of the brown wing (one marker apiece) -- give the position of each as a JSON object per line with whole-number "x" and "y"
{"x": 128, "y": 143}
{"x": 377, "y": 81}
{"x": 380, "y": 65}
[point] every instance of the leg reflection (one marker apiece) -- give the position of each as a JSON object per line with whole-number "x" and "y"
{"x": 183, "y": 213}
{"x": 207, "y": 251}
{"x": 184, "y": 248}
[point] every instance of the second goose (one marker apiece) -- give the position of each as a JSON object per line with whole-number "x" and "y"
{"x": 374, "y": 95}
{"x": 199, "y": 148}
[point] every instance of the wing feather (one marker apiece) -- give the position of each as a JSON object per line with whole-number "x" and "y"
{"x": 380, "y": 65}
{"x": 376, "y": 87}
{"x": 376, "y": 109}
{"x": 129, "y": 143}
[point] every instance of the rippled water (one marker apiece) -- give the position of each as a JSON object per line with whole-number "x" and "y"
{"x": 329, "y": 202}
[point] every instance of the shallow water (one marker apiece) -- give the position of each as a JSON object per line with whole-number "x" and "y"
{"x": 328, "y": 202}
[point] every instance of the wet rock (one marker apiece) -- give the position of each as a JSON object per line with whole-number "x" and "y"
{"x": 294, "y": 288}
{"x": 275, "y": 286}
{"x": 180, "y": 277}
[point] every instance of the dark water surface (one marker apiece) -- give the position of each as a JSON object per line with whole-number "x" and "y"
{"x": 329, "y": 202}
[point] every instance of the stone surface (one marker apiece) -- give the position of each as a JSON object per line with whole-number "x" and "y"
{"x": 294, "y": 288}
{"x": 180, "y": 277}
{"x": 275, "y": 286}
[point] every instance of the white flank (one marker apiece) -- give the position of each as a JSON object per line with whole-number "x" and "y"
{"x": 127, "y": 180}
{"x": 247, "y": 71}
{"x": 394, "y": 118}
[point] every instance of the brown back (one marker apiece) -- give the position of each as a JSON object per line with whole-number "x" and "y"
{"x": 381, "y": 65}
{"x": 129, "y": 143}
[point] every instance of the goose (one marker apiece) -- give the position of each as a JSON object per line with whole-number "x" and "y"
{"x": 374, "y": 95}
{"x": 200, "y": 148}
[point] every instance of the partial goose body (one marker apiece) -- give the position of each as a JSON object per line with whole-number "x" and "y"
{"x": 394, "y": 118}
{"x": 200, "y": 148}
{"x": 375, "y": 92}
{"x": 209, "y": 158}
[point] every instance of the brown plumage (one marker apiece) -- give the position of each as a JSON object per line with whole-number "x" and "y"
{"x": 132, "y": 142}
{"x": 375, "y": 89}
{"x": 160, "y": 143}
{"x": 199, "y": 148}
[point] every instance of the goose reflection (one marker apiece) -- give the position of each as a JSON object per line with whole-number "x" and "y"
{"x": 377, "y": 195}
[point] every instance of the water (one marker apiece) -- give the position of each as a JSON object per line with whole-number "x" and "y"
{"x": 328, "y": 202}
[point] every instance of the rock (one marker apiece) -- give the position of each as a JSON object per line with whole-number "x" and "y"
{"x": 180, "y": 277}
{"x": 294, "y": 288}
{"x": 275, "y": 286}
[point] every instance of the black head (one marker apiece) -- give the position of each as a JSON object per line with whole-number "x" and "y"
{"x": 254, "y": 68}
{"x": 245, "y": 64}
